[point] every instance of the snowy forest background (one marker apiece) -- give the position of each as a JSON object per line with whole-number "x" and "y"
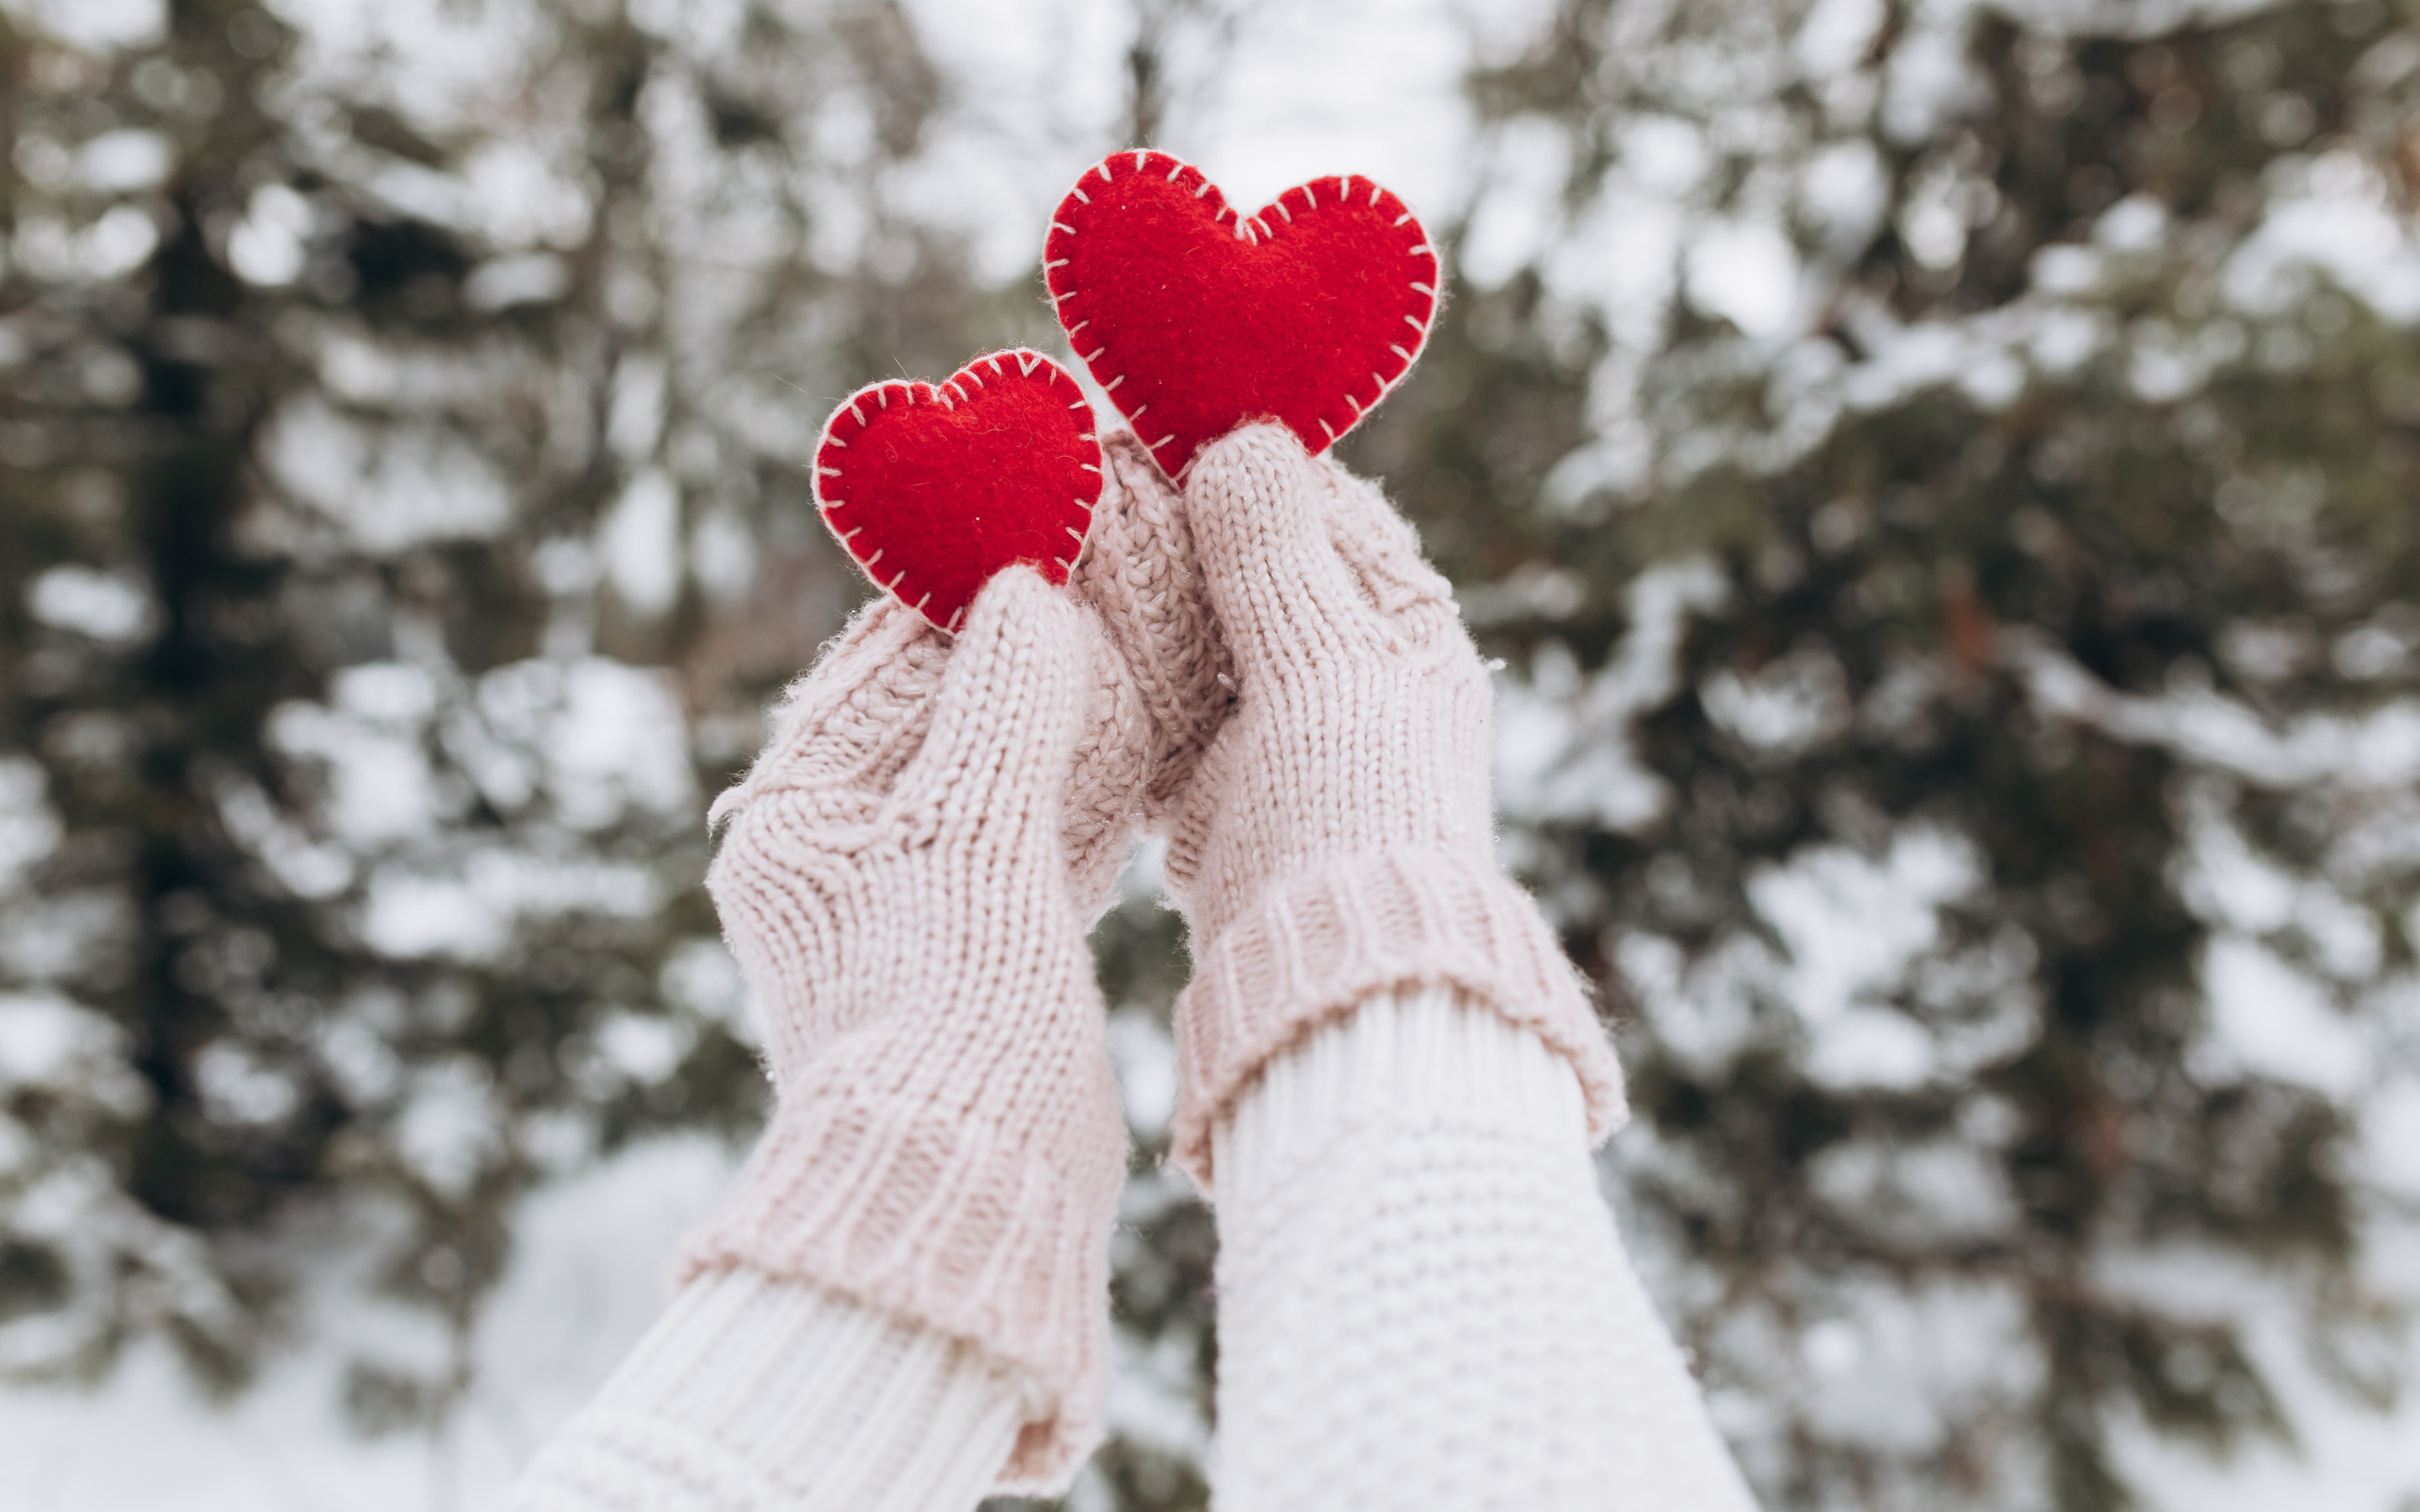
{"x": 1941, "y": 476}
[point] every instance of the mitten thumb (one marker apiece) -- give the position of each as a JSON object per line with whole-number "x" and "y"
{"x": 1259, "y": 508}
{"x": 1005, "y": 726}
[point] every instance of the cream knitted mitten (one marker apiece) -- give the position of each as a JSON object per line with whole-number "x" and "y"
{"x": 905, "y": 884}
{"x": 1338, "y": 839}
{"x": 1141, "y": 572}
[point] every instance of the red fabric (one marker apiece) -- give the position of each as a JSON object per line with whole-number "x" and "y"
{"x": 1195, "y": 321}
{"x": 935, "y": 489}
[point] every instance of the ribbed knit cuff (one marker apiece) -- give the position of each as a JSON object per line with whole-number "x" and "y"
{"x": 941, "y": 1222}
{"x": 755, "y": 1394}
{"x": 1312, "y": 946}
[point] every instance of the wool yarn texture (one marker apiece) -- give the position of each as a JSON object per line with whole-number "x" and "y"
{"x": 933, "y": 487}
{"x": 1338, "y": 839}
{"x": 1423, "y": 1304}
{"x": 1140, "y": 573}
{"x": 895, "y": 881}
{"x": 1196, "y": 319}
{"x": 753, "y": 1395}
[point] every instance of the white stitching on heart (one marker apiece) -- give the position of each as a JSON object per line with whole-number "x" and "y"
{"x": 911, "y": 393}
{"x": 1255, "y": 230}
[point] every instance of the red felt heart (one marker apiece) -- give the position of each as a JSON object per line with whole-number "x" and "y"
{"x": 1309, "y": 311}
{"x": 935, "y": 489}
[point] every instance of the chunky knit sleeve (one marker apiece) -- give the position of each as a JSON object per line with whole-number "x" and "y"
{"x": 1423, "y": 1303}
{"x": 755, "y": 1395}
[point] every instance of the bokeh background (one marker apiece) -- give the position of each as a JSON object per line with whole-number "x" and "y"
{"x": 1940, "y": 475}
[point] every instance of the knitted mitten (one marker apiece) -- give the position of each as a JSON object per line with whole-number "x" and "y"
{"x": 896, "y": 884}
{"x": 1338, "y": 838}
{"x": 1140, "y": 571}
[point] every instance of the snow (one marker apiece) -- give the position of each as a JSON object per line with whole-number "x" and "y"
{"x": 2376, "y": 749}
{"x": 1746, "y": 272}
{"x": 586, "y": 1279}
{"x": 611, "y": 738}
{"x": 501, "y": 282}
{"x": 2342, "y": 222}
{"x": 1519, "y": 206}
{"x": 1144, "y": 1054}
{"x": 116, "y": 163}
{"x": 1896, "y": 1362}
{"x": 388, "y": 487}
{"x": 1790, "y": 706}
{"x": 112, "y": 607}
{"x": 641, "y": 542}
{"x": 449, "y": 1128}
{"x": 2269, "y": 1020}
{"x": 43, "y": 1038}
{"x": 1562, "y": 747}
{"x": 1360, "y": 85}
{"x": 471, "y": 910}
{"x": 29, "y": 830}
{"x": 700, "y": 976}
{"x": 94, "y": 25}
{"x": 266, "y": 246}
{"x": 1852, "y": 928}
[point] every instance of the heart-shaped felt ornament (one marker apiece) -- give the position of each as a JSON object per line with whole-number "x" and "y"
{"x": 1196, "y": 321}
{"x": 933, "y": 489}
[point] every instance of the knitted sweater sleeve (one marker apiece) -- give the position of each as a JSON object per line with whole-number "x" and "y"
{"x": 1424, "y": 1305}
{"x": 757, "y": 1394}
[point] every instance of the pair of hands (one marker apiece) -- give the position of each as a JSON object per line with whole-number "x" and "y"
{"x": 1262, "y": 666}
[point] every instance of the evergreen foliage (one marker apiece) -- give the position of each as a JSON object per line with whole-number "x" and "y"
{"x": 1940, "y": 476}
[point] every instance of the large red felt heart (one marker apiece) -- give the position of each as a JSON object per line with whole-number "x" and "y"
{"x": 935, "y": 489}
{"x": 1309, "y": 311}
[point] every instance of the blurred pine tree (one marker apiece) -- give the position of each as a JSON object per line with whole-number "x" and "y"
{"x": 1941, "y": 476}
{"x": 2039, "y": 478}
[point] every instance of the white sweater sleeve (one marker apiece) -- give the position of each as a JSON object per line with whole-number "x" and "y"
{"x": 1423, "y": 1304}
{"x": 752, "y": 1395}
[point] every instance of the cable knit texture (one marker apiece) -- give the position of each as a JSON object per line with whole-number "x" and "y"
{"x": 897, "y": 884}
{"x": 1338, "y": 838}
{"x": 1141, "y": 572}
{"x": 752, "y": 1395}
{"x": 1423, "y": 1303}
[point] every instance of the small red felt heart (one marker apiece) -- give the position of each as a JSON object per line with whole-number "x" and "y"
{"x": 935, "y": 489}
{"x": 1309, "y": 311}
